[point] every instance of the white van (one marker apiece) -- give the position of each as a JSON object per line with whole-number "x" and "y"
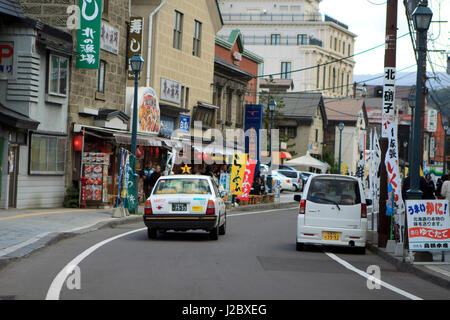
{"x": 333, "y": 211}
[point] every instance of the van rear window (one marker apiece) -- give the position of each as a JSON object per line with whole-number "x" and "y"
{"x": 334, "y": 190}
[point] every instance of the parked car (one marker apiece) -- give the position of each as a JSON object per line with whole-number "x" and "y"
{"x": 305, "y": 176}
{"x": 285, "y": 167}
{"x": 295, "y": 176}
{"x": 286, "y": 183}
{"x": 185, "y": 202}
{"x": 333, "y": 211}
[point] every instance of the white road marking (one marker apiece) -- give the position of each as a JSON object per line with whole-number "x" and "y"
{"x": 58, "y": 282}
{"x": 368, "y": 276}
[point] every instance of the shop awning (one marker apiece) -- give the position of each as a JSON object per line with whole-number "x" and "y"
{"x": 285, "y": 155}
{"x": 141, "y": 140}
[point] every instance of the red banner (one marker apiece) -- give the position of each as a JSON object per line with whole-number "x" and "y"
{"x": 429, "y": 233}
{"x": 248, "y": 180}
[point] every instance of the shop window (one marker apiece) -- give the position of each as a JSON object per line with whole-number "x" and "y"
{"x": 58, "y": 75}
{"x": 196, "y": 49}
{"x": 47, "y": 154}
{"x": 178, "y": 30}
{"x": 100, "y": 76}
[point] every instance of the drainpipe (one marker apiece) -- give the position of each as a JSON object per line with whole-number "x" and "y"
{"x": 149, "y": 46}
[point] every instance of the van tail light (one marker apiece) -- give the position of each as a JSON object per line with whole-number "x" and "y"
{"x": 211, "y": 208}
{"x": 288, "y": 181}
{"x": 363, "y": 210}
{"x": 302, "y": 207}
{"x": 148, "y": 207}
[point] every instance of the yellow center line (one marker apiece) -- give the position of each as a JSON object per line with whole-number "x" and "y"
{"x": 25, "y": 215}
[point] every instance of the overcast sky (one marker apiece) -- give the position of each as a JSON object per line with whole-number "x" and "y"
{"x": 368, "y": 21}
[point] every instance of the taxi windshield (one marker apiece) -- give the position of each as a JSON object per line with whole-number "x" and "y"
{"x": 182, "y": 186}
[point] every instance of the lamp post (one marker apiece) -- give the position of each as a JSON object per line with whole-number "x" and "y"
{"x": 272, "y": 107}
{"x": 137, "y": 64}
{"x": 412, "y": 105}
{"x": 445, "y": 147}
{"x": 422, "y": 19}
{"x": 405, "y": 145}
{"x": 341, "y": 127}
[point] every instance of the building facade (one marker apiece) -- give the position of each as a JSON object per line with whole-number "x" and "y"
{"x": 292, "y": 36}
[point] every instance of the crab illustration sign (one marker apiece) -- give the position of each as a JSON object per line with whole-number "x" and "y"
{"x": 88, "y": 37}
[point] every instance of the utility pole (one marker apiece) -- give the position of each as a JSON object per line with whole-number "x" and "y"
{"x": 424, "y": 90}
{"x": 384, "y": 222}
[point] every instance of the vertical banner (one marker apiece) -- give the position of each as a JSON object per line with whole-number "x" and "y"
{"x": 388, "y": 112}
{"x": 248, "y": 179}
{"x": 253, "y": 122}
{"x": 376, "y": 173}
{"x": 237, "y": 173}
{"x": 428, "y": 225}
{"x": 88, "y": 36}
{"x": 134, "y": 45}
{"x": 132, "y": 201}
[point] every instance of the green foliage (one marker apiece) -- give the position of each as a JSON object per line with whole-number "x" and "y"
{"x": 328, "y": 157}
{"x": 71, "y": 199}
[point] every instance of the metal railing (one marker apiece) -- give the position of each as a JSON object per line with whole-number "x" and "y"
{"x": 270, "y": 17}
{"x": 280, "y": 41}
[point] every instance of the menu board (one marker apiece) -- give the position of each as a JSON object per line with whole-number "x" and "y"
{"x": 96, "y": 171}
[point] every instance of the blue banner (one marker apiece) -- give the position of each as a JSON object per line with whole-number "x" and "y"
{"x": 253, "y": 120}
{"x": 185, "y": 124}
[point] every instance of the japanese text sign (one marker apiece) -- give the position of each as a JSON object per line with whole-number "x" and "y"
{"x": 6, "y": 60}
{"x": 109, "y": 38}
{"x": 237, "y": 173}
{"x": 428, "y": 225}
{"x": 88, "y": 37}
{"x": 170, "y": 91}
{"x": 134, "y": 45}
{"x": 248, "y": 179}
{"x": 388, "y": 111}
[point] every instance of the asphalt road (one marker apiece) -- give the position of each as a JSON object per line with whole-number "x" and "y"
{"x": 256, "y": 259}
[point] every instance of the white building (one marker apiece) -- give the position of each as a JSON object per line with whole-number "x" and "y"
{"x": 293, "y": 35}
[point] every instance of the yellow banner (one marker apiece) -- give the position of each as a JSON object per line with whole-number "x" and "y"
{"x": 237, "y": 173}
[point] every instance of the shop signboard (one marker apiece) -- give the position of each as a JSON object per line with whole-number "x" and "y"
{"x": 428, "y": 225}
{"x": 109, "y": 38}
{"x": 170, "y": 91}
{"x": 6, "y": 60}
{"x": 149, "y": 120}
{"x": 248, "y": 179}
{"x": 184, "y": 125}
{"x": 167, "y": 126}
{"x": 134, "y": 45}
{"x": 88, "y": 37}
{"x": 95, "y": 166}
{"x": 237, "y": 173}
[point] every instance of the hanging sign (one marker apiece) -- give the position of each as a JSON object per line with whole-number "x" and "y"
{"x": 428, "y": 225}
{"x": 388, "y": 112}
{"x": 88, "y": 37}
{"x": 248, "y": 179}
{"x": 134, "y": 45}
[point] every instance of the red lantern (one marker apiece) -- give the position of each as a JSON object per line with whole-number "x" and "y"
{"x": 78, "y": 143}
{"x": 157, "y": 151}
{"x": 205, "y": 156}
{"x": 199, "y": 156}
{"x": 139, "y": 152}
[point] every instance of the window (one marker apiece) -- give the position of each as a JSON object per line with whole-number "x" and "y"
{"x": 204, "y": 115}
{"x": 58, "y": 70}
{"x": 335, "y": 44}
{"x": 324, "y": 76}
{"x": 348, "y": 52}
{"x": 301, "y": 39}
{"x": 182, "y": 186}
{"x": 100, "y": 77}
{"x": 334, "y": 190}
{"x": 197, "y": 38}
{"x": 317, "y": 135}
{"x": 317, "y": 78}
{"x": 47, "y": 154}
{"x": 178, "y": 30}
{"x": 343, "y": 47}
{"x": 342, "y": 83}
{"x": 105, "y": 4}
{"x": 229, "y": 104}
{"x": 275, "y": 39}
{"x": 292, "y": 132}
{"x": 285, "y": 70}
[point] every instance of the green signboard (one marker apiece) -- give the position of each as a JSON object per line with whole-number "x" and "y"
{"x": 88, "y": 37}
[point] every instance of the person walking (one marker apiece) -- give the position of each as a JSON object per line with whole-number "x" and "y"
{"x": 445, "y": 190}
{"x": 429, "y": 188}
{"x": 439, "y": 185}
{"x": 154, "y": 177}
{"x": 146, "y": 174}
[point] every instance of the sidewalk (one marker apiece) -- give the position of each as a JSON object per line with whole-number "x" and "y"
{"x": 23, "y": 231}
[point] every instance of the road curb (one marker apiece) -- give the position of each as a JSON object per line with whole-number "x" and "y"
{"x": 264, "y": 206}
{"x": 419, "y": 271}
{"x": 55, "y": 237}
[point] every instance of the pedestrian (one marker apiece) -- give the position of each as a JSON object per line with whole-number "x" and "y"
{"x": 146, "y": 174}
{"x": 429, "y": 188}
{"x": 154, "y": 177}
{"x": 445, "y": 190}
{"x": 439, "y": 185}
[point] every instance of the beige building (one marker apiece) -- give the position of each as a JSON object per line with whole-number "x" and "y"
{"x": 178, "y": 50}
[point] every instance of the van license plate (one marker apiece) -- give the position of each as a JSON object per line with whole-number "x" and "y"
{"x": 335, "y": 236}
{"x": 179, "y": 207}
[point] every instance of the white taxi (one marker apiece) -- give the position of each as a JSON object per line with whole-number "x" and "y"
{"x": 185, "y": 202}
{"x": 333, "y": 211}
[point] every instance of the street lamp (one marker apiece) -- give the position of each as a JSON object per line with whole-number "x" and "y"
{"x": 272, "y": 107}
{"x": 137, "y": 63}
{"x": 341, "y": 127}
{"x": 421, "y": 18}
{"x": 445, "y": 146}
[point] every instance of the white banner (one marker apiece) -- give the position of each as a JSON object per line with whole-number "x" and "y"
{"x": 375, "y": 177}
{"x": 388, "y": 112}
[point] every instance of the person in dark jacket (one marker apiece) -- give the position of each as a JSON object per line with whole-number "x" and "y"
{"x": 428, "y": 188}
{"x": 407, "y": 185}
{"x": 439, "y": 184}
{"x": 146, "y": 174}
{"x": 154, "y": 177}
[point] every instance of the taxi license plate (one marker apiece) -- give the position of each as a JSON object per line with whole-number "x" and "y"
{"x": 335, "y": 236}
{"x": 179, "y": 207}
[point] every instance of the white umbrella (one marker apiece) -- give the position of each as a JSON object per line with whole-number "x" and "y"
{"x": 307, "y": 161}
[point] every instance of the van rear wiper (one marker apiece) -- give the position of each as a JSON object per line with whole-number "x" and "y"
{"x": 329, "y": 200}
